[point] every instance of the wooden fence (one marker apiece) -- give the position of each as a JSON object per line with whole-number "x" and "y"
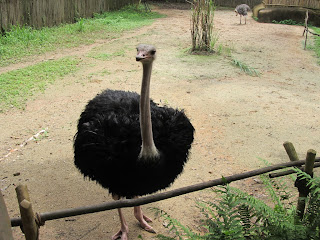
{"x": 221, "y": 3}
{"x": 234, "y": 3}
{"x": 40, "y": 13}
{"x": 311, "y": 4}
{"x": 31, "y": 222}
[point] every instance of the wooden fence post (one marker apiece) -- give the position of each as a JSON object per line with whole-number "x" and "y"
{"x": 29, "y": 225}
{"x": 291, "y": 151}
{"x": 5, "y": 224}
{"x": 311, "y": 155}
{"x": 306, "y": 29}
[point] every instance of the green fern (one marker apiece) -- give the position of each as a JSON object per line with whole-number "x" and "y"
{"x": 238, "y": 215}
{"x": 312, "y": 214}
{"x": 223, "y": 219}
{"x": 180, "y": 231}
{"x": 274, "y": 223}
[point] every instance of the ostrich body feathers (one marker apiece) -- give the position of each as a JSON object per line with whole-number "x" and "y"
{"x": 243, "y": 9}
{"x": 108, "y": 143}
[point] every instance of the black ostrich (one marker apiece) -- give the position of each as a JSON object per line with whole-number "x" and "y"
{"x": 131, "y": 146}
{"x": 242, "y": 10}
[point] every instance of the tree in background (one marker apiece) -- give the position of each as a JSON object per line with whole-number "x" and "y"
{"x": 202, "y": 25}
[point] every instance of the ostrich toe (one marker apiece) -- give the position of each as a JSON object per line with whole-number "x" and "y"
{"x": 143, "y": 220}
{"x": 123, "y": 235}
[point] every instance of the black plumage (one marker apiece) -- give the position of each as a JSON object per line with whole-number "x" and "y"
{"x": 130, "y": 145}
{"x": 108, "y": 143}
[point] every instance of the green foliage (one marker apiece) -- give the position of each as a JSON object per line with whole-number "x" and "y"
{"x": 106, "y": 56}
{"x": 311, "y": 219}
{"x": 224, "y": 50}
{"x": 287, "y": 22}
{"x": 24, "y": 41}
{"x": 81, "y": 24}
{"x": 316, "y": 42}
{"x": 18, "y": 85}
{"x": 255, "y": 18}
{"x": 245, "y": 68}
{"x": 223, "y": 220}
{"x": 179, "y": 230}
{"x": 238, "y": 215}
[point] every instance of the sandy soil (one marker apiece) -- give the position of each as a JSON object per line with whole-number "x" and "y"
{"x": 238, "y": 118}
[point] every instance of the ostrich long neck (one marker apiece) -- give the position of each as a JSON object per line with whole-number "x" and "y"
{"x": 148, "y": 147}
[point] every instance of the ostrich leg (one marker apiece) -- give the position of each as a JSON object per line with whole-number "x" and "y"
{"x": 124, "y": 230}
{"x": 143, "y": 220}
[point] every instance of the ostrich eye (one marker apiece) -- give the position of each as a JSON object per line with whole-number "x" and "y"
{"x": 153, "y": 52}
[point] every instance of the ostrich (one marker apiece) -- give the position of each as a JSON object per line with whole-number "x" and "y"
{"x": 242, "y": 10}
{"x": 130, "y": 145}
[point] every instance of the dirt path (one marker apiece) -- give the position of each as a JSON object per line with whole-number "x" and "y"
{"x": 237, "y": 117}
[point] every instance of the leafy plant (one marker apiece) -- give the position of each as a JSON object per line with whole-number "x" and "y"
{"x": 311, "y": 217}
{"x": 178, "y": 229}
{"x": 223, "y": 220}
{"x": 81, "y": 24}
{"x": 238, "y": 215}
{"x": 224, "y": 50}
{"x": 287, "y": 22}
{"x": 245, "y": 68}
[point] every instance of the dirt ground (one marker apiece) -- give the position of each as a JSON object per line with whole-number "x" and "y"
{"x": 238, "y": 118}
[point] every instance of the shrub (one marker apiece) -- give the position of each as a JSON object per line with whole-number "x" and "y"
{"x": 236, "y": 215}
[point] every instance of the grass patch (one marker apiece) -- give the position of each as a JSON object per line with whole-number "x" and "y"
{"x": 224, "y": 50}
{"x": 106, "y": 56}
{"x": 19, "y": 85}
{"x": 316, "y": 43}
{"x": 245, "y": 68}
{"x": 24, "y": 41}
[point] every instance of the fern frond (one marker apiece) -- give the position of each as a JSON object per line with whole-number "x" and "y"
{"x": 163, "y": 237}
{"x": 176, "y": 227}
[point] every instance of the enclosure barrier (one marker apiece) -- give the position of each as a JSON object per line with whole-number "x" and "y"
{"x": 30, "y": 223}
{"x": 5, "y": 224}
{"x": 306, "y": 30}
{"x": 311, "y": 4}
{"x": 48, "y": 13}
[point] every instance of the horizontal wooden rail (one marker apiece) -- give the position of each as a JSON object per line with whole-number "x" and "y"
{"x": 288, "y": 172}
{"x": 157, "y": 197}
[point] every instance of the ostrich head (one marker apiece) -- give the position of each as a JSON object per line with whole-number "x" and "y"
{"x": 145, "y": 53}
{"x": 236, "y": 12}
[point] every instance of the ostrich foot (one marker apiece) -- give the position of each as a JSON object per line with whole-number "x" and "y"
{"x": 124, "y": 230}
{"x": 143, "y": 220}
{"x": 122, "y": 234}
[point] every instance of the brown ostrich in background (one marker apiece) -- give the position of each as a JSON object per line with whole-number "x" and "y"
{"x": 242, "y": 10}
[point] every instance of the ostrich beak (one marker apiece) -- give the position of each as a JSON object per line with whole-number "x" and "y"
{"x": 139, "y": 58}
{"x": 141, "y": 55}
